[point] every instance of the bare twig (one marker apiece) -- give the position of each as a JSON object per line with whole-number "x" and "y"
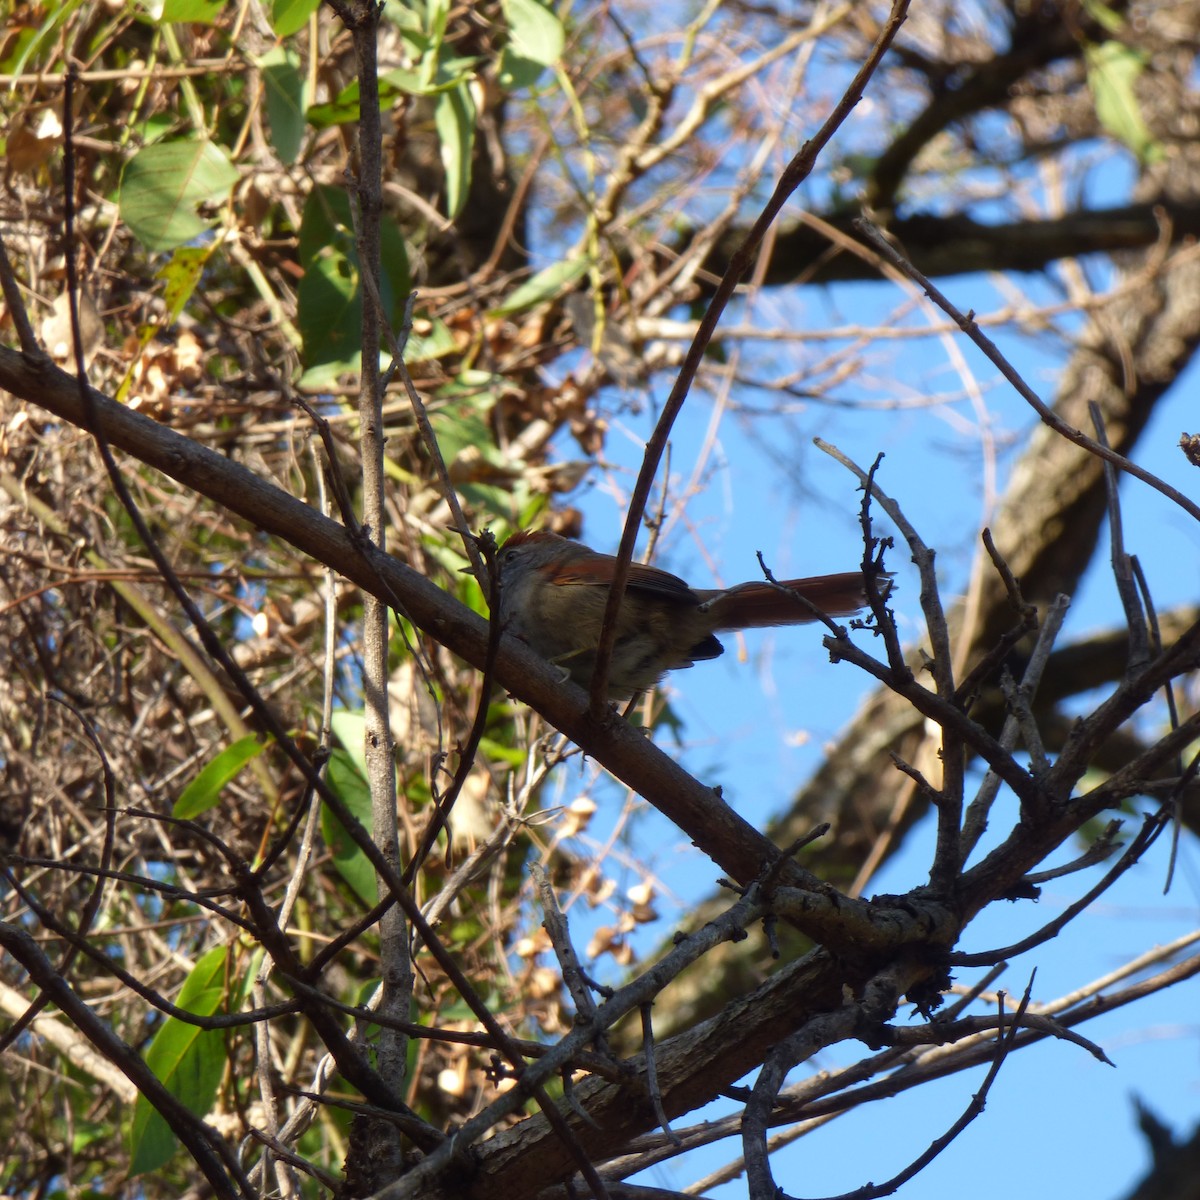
{"x": 1003, "y": 1045}
{"x": 966, "y": 322}
{"x": 15, "y": 304}
{"x": 396, "y": 968}
{"x": 1122, "y": 565}
{"x": 92, "y": 905}
{"x": 555, "y": 923}
{"x": 1151, "y": 828}
{"x": 652, "y": 1073}
{"x": 976, "y": 818}
{"x": 922, "y": 555}
{"x": 1018, "y": 701}
{"x": 1156, "y": 645}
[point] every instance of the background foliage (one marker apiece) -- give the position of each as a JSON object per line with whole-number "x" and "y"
{"x": 564, "y": 188}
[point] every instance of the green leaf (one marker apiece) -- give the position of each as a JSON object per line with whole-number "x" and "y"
{"x": 329, "y": 312}
{"x": 20, "y": 45}
{"x": 205, "y": 790}
{"x": 461, "y": 426}
{"x": 290, "y": 16}
{"x": 449, "y": 75}
{"x": 286, "y": 95}
{"x": 403, "y": 16}
{"x": 454, "y": 116}
{"x": 401, "y": 81}
{"x": 156, "y": 127}
{"x": 187, "y": 1060}
{"x": 435, "y": 342}
{"x": 547, "y": 284}
{"x": 1104, "y": 16}
{"x": 163, "y": 185}
{"x": 341, "y": 110}
{"x": 437, "y": 15}
{"x": 329, "y": 299}
{"x": 350, "y": 728}
{"x": 350, "y": 786}
{"x": 502, "y": 752}
{"x": 181, "y": 272}
{"x": 396, "y": 281}
{"x": 407, "y": 82}
{"x": 537, "y": 33}
{"x": 1112, "y": 71}
{"x": 516, "y": 72}
{"x": 35, "y": 48}
{"x": 199, "y": 12}
{"x": 325, "y": 222}
{"x": 242, "y": 990}
{"x": 328, "y": 305}
{"x": 85, "y": 1133}
{"x": 536, "y": 40}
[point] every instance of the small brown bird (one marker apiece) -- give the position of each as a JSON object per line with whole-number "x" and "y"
{"x": 553, "y": 593}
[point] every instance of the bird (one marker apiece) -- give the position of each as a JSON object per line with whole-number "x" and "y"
{"x": 553, "y": 594}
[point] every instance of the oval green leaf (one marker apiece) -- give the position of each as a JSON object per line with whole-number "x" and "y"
{"x": 290, "y": 16}
{"x": 205, "y": 790}
{"x": 191, "y": 12}
{"x": 454, "y": 115}
{"x": 163, "y": 185}
{"x": 348, "y": 860}
{"x": 186, "y": 1059}
{"x": 286, "y": 96}
{"x": 547, "y": 284}
{"x": 1112, "y": 73}
{"x": 536, "y": 40}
